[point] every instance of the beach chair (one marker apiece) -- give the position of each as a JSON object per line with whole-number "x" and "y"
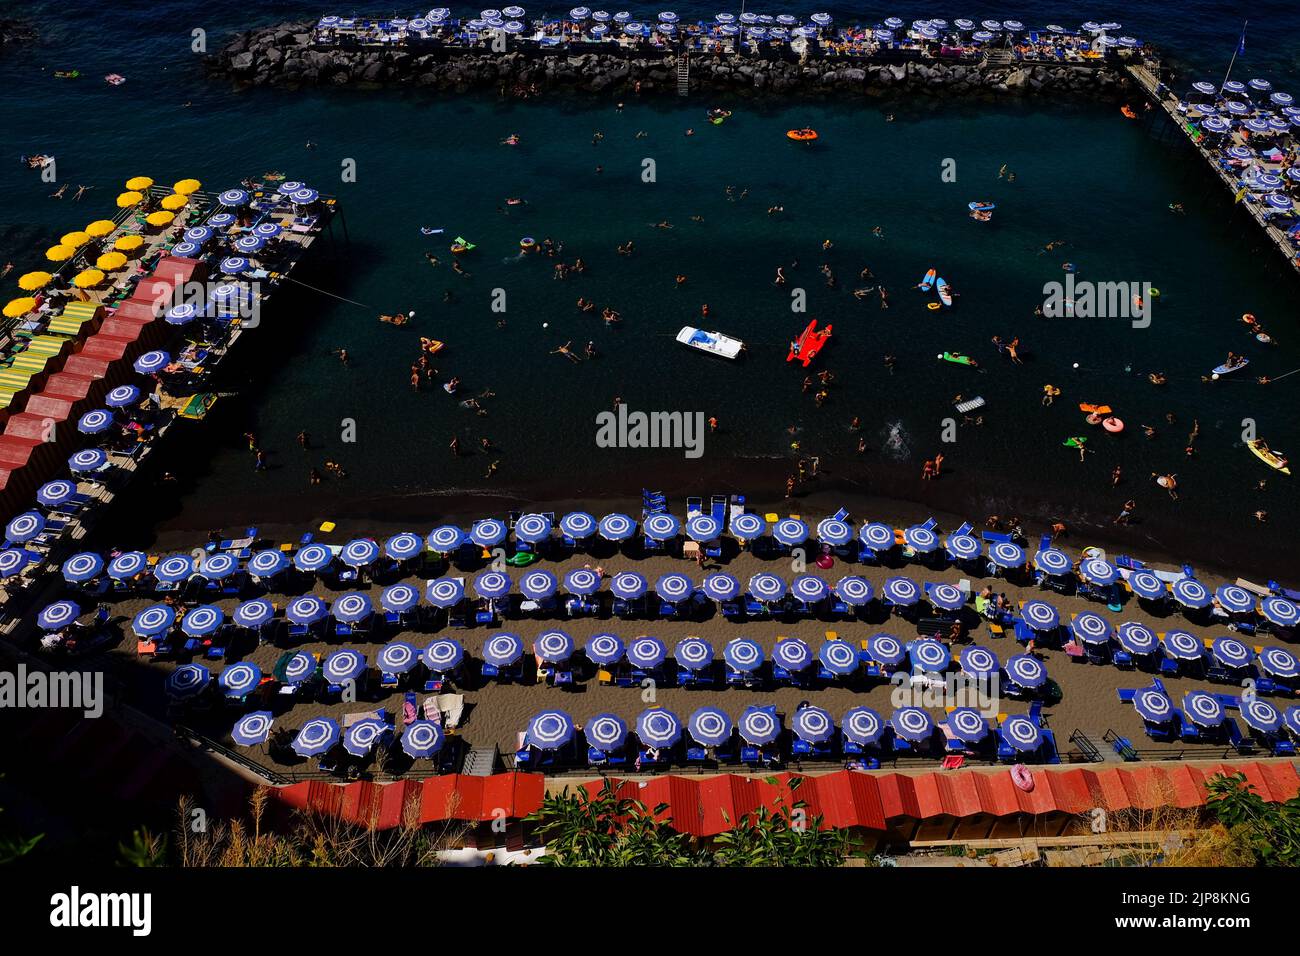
{"x": 1239, "y": 743}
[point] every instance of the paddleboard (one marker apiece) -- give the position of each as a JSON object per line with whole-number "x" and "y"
{"x": 927, "y": 282}
{"x": 1264, "y": 338}
{"x": 1269, "y": 457}
{"x": 945, "y": 291}
{"x": 809, "y": 343}
{"x": 970, "y": 404}
{"x": 958, "y": 358}
{"x": 1225, "y": 369}
{"x": 981, "y": 206}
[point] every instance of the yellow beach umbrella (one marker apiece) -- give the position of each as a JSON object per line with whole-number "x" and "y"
{"x": 75, "y": 239}
{"x": 174, "y": 201}
{"x": 17, "y": 307}
{"x": 100, "y": 228}
{"x": 187, "y": 186}
{"x": 139, "y": 182}
{"x": 88, "y": 278}
{"x": 34, "y": 280}
{"x": 129, "y": 243}
{"x": 159, "y": 218}
{"x": 127, "y": 200}
{"x": 60, "y": 253}
{"x": 110, "y": 261}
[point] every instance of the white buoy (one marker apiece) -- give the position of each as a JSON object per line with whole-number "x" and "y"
{"x": 1215, "y": 376}
{"x": 1076, "y": 364}
{"x": 546, "y": 325}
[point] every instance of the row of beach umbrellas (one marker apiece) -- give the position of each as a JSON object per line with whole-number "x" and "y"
{"x": 1206, "y": 710}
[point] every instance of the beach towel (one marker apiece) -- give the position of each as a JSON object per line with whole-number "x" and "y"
{"x": 452, "y": 707}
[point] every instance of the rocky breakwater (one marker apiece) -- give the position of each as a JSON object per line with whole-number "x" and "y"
{"x": 285, "y": 56}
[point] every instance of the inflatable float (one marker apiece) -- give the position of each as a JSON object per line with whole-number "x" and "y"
{"x": 1076, "y": 441}
{"x": 1099, "y": 409}
{"x": 1227, "y": 369}
{"x": 981, "y": 206}
{"x": 933, "y": 306}
{"x": 717, "y": 117}
{"x": 115, "y": 79}
{"x": 809, "y": 343}
{"x": 944, "y": 290}
{"x": 1128, "y": 112}
{"x": 528, "y": 243}
{"x": 461, "y": 244}
{"x": 1268, "y": 456}
{"x": 801, "y": 135}
{"x": 1113, "y": 425}
{"x": 67, "y": 74}
{"x": 1022, "y": 777}
{"x": 958, "y": 359}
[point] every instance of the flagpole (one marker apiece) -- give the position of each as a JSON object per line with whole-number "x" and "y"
{"x": 1234, "y": 55}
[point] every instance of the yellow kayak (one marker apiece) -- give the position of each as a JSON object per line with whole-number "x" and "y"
{"x": 1268, "y": 456}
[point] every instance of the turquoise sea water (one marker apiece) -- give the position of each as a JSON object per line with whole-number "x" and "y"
{"x": 1083, "y": 175}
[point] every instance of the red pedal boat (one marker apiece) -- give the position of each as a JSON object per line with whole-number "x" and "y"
{"x": 805, "y": 348}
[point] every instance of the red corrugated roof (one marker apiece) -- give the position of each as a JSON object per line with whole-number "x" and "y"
{"x": 451, "y": 797}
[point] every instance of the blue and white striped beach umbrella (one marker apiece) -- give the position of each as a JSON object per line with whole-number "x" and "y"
{"x": 218, "y": 565}
{"x": 549, "y": 730}
{"x": 703, "y": 528}
{"x": 252, "y": 729}
{"x": 446, "y": 538}
{"x": 724, "y": 17}
{"x": 668, "y": 16}
{"x": 492, "y": 584}
{"x": 946, "y": 597}
{"x": 127, "y": 565}
{"x": 1279, "y": 662}
{"x": 300, "y": 668}
{"x": 766, "y": 586}
{"x": 963, "y": 547}
{"x": 203, "y": 620}
{"x": 1191, "y": 593}
{"x": 198, "y": 234}
{"x": 1239, "y": 152}
{"x": 809, "y": 588}
{"x": 743, "y": 655}
{"x": 1137, "y": 638}
{"x": 1006, "y": 554}
{"x": 82, "y": 567}
{"x": 674, "y": 587}
{"x": 1256, "y": 124}
{"x": 646, "y": 652}
{"x": 502, "y": 650}
{"x": 635, "y": 29}
{"x": 238, "y": 679}
{"x": 1040, "y": 616}
{"x": 748, "y": 526}
{"x": 238, "y": 197}
{"x": 578, "y": 525}
{"x": 1261, "y": 716}
{"x": 174, "y": 568}
{"x": 792, "y": 654}
{"x": 1277, "y": 201}
{"x": 55, "y": 493}
{"x": 403, "y": 545}
{"x": 1182, "y": 646}
{"x": 187, "y": 249}
{"x": 316, "y": 736}
{"x": 58, "y": 615}
{"x": 1098, "y": 572}
{"x": 886, "y": 649}
{"x": 834, "y": 532}
{"x": 582, "y": 581}
{"x": 25, "y": 527}
{"x": 838, "y": 657}
{"x": 657, "y": 727}
{"x": 88, "y": 460}
{"x": 1281, "y": 99}
{"x": 513, "y": 12}
{"x": 268, "y": 563}
{"x": 710, "y": 726}
{"x": 312, "y": 558}
{"x": 876, "y": 535}
{"x": 979, "y": 662}
{"x": 617, "y": 527}
{"x": 1203, "y": 709}
{"x": 151, "y": 362}
{"x": 306, "y": 610}
{"x": 790, "y": 531}
{"x": 1053, "y": 561}
{"x": 992, "y": 25}
{"x": 488, "y": 532}
{"x": 538, "y": 585}
{"x": 721, "y": 586}
{"x": 1022, "y": 733}
{"x": 422, "y": 738}
{"x": 981, "y": 36}
{"x": 1147, "y": 584}
{"x": 1292, "y": 719}
{"x": 222, "y": 220}
{"x": 912, "y": 723}
{"x": 929, "y": 655}
{"x": 579, "y": 13}
{"x": 693, "y": 653}
{"x": 1201, "y": 86}
{"x": 1263, "y": 86}
{"x": 95, "y": 421}
{"x": 359, "y": 553}
{"x": 921, "y": 539}
{"x": 248, "y": 245}
{"x": 759, "y": 726}
{"x": 443, "y": 655}
{"x": 902, "y": 591}
{"x": 352, "y": 608}
{"x": 1236, "y": 107}
{"x": 553, "y": 647}
{"x": 186, "y": 681}
{"x": 267, "y": 230}
{"x": 862, "y": 726}
{"x": 824, "y": 19}
{"x": 1153, "y": 706}
{"x": 13, "y": 560}
{"x": 1027, "y": 671}
{"x": 661, "y": 527}
{"x": 447, "y": 592}
{"x": 533, "y": 528}
{"x": 343, "y": 665}
{"x": 1091, "y": 628}
{"x": 854, "y": 590}
{"x": 604, "y": 648}
{"x": 628, "y": 585}
{"x": 606, "y": 732}
{"x": 122, "y": 396}
{"x": 967, "y": 725}
{"x": 254, "y": 613}
{"x": 1231, "y": 652}
{"x": 305, "y": 196}
{"x": 1280, "y": 611}
{"x": 962, "y": 24}
{"x": 362, "y": 736}
{"x": 1214, "y": 125}
{"x": 813, "y": 724}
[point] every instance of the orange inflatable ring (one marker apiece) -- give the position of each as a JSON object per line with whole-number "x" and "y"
{"x": 1249, "y": 318}
{"x": 1113, "y": 425}
{"x": 801, "y": 135}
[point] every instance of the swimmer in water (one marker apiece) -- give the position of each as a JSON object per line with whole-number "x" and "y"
{"x": 566, "y": 352}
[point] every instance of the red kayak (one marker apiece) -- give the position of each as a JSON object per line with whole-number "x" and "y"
{"x": 806, "y": 347}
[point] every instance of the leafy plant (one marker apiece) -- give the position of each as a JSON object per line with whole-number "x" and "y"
{"x": 1270, "y": 832}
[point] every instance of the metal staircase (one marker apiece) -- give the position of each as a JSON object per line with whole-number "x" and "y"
{"x": 481, "y": 762}
{"x": 683, "y": 74}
